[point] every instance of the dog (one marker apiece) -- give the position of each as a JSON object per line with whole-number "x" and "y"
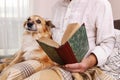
{"x": 35, "y": 28}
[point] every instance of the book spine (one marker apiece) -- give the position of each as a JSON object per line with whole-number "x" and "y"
{"x": 66, "y": 53}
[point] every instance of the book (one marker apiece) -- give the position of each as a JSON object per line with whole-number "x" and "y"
{"x": 74, "y": 45}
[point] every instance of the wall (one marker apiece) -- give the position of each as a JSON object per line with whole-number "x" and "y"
{"x": 116, "y": 8}
{"x": 44, "y": 7}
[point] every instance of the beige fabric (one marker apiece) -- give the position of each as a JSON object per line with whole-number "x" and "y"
{"x": 28, "y": 70}
{"x": 47, "y": 74}
{"x": 23, "y": 70}
{"x": 92, "y": 74}
{"x": 56, "y": 74}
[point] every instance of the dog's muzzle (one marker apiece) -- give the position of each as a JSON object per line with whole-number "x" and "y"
{"x": 31, "y": 26}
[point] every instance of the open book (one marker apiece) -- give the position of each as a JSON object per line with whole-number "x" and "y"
{"x": 74, "y": 45}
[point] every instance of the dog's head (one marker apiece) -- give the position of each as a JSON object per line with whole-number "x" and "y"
{"x": 37, "y": 24}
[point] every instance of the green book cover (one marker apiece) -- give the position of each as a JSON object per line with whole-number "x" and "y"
{"x": 73, "y": 48}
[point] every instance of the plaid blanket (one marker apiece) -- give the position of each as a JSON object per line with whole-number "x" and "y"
{"x": 23, "y": 70}
{"x": 28, "y": 70}
{"x": 91, "y": 74}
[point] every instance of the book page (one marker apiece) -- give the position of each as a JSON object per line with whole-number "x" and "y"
{"x": 71, "y": 29}
{"x": 49, "y": 42}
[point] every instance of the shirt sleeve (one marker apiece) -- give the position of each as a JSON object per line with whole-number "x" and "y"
{"x": 105, "y": 32}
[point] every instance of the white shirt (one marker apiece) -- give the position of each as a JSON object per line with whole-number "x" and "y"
{"x": 98, "y": 19}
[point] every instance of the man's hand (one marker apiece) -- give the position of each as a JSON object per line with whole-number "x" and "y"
{"x": 85, "y": 64}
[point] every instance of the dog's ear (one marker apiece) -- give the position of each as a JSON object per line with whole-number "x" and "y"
{"x": 24, "y": 23}
{"x": 49, "y": 24}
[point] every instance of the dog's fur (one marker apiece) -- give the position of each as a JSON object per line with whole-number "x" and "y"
{"x": 35, "y": 28}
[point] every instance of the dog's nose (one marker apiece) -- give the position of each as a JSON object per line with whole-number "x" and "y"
{"x": 29, "y": 24}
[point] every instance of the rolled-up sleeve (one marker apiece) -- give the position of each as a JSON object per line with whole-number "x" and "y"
{"x": 105, "y": 37}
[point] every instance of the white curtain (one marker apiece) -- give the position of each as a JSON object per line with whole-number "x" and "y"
{"x": 12, "y": 16}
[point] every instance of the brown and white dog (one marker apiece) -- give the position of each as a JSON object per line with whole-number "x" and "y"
{"x": 35, "y": 28}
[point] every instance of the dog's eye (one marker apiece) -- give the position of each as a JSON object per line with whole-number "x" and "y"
{"x": 28, "y": 19}
{"x": 38, "y": 21}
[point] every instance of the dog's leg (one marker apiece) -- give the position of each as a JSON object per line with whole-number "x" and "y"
{"x": 5, "y": 62}
{"x": 18, "y": 58}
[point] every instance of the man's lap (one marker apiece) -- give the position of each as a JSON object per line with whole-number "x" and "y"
{"x": 57, "y": 73}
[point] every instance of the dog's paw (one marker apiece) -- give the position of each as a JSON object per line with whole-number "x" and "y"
{"x": 2, "y": 66}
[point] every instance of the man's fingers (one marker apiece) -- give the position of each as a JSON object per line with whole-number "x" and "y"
{"x": 73, "y": 66}
{"x": 76, "y": 67}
